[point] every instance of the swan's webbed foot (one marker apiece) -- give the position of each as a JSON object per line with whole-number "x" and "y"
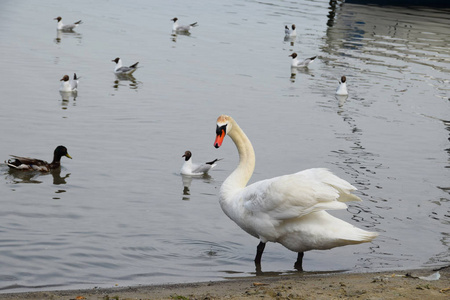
{"x": 299, "y": 263}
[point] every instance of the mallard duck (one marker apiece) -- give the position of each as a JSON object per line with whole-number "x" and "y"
{"x": 33, "y": 164}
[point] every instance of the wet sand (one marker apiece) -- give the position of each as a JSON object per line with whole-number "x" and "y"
{"x": 385, "y": 285}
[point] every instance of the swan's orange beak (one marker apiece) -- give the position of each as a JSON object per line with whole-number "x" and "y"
{"x": 219, "y": 140}
{"x": 220, "y": 131}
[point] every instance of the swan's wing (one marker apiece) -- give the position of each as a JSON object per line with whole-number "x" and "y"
{"x": 298, "y": 194}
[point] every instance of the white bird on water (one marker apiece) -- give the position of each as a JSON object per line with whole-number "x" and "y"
{"x": 189, "y": 168}
{"x": 69, "y": 86}
{"x": 121, "y": 70}
{"x": 68, "y": 27}
{"x": 181, "y": 28}
{"x": 300, "y": 64}
{"x": 290, "y": 32}
{"x": 290, "y": 209}
{"x": 342, "y": 88}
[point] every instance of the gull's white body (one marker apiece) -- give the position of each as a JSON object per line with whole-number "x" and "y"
{"x": 342, "y": 88}
{"x": 189, "y": 168}
{"x": 182, "y": 28}
{"x": 69, "y": 86}
{"x": 68, "y": 27}
{"x": 119, "y": 69}
{"x": 289, "y": 209}
{"x": 296, "y": 63}
{"x": 290, "y": 32}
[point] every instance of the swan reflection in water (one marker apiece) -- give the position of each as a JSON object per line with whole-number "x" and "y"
{"x": 187, "y": 181}
{"x": 20, "y": 176}
{"x": 121, "y": 79}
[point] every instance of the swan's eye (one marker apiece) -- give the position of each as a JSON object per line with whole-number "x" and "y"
{"x": 221, "y": 129}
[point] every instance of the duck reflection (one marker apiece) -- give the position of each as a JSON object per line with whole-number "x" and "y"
{"x": 20, "y": 176}
{"x": 187, "y": 181}
{"x": 122, "y": 79}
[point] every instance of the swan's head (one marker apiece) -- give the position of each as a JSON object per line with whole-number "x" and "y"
{"x": 343, "y": 79}
{"x": 222, "y": 129}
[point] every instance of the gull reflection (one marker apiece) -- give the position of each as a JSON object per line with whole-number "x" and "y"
{"x": 121, "y": 79}
{"x": 174, "y": 35}
{"x": 187, "y": 181}
{"x": 60, "y": 34}
{"x": 341, "y": 99}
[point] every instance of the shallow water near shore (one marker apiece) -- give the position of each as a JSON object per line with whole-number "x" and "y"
{"x": 119, "y": 213}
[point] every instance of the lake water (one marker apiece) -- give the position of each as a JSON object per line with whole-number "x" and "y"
{"x": 118, "y": 212}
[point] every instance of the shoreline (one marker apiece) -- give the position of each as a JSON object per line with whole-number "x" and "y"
{"x": 379, "y": 285}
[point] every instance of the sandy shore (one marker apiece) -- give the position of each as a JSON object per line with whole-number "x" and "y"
{"x": 386, "y": 285}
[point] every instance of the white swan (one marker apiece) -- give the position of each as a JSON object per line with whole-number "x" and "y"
{"x": 189, "y": 168}
{"x": 342, "y": 88}
{"x": 289, "y": 209}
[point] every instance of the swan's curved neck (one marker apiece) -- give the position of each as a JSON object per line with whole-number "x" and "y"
{"x": 242, "y": 174}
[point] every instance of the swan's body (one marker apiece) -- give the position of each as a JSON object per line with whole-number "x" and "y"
{"x": 68, "y": 27}
{"x": 189, "y": 168}
{"x": 342, "y": 88}
{"x": 33, "y": 164}
{"x": 67, "y": 85}
{"x": 290, "y": 32}
{"x": 296, "y": 63}
{"x": 289, "y": 209}
{"x": 181, "y": 28}
{"x": 121, "y": 70}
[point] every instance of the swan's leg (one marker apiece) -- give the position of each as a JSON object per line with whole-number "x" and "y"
{"x": 259, "y": 252}
{"x": 299, "y": 263}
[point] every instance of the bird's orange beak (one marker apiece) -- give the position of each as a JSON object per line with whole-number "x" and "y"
{"x": 219, "y": 137}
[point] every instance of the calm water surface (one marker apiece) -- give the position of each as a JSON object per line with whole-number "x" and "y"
{"x": 118, "y": 212}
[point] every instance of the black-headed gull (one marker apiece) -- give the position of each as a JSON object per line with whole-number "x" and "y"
{"x": 192, "y": 169}
{"x": 69, "y": 86}
{"x": 181, "y": 28}
{"x": 300, "y": 64}
{"x": 68, "y": 27}
{"x": 120, "y": 70}
{"x": 342, "y": 88}
{"x": 290, "y": 33}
